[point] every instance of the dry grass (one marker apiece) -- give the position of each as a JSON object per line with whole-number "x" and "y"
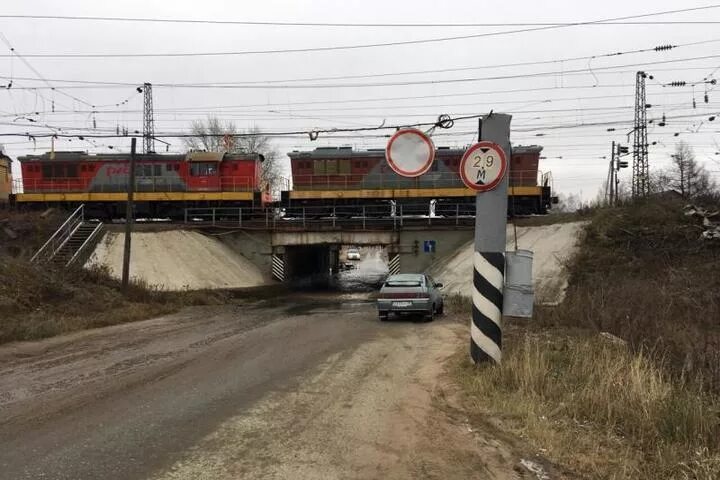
{"x": 644, "y": 275}
{"x": 648, "y": 408}
{"x": 598, "y": 408}
{"x": 553, "y": 218}
{"x": 38, "y": 301}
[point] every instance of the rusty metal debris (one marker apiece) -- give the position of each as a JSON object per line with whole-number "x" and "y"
{"x": 710, "y": 221}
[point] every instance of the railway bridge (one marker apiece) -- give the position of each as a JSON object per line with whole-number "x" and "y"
{"x": 309, "y": 245}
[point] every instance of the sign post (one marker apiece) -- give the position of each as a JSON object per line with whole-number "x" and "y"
{"x": 483, "y": 168}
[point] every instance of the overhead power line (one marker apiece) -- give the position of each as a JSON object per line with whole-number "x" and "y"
{"x": 305, "y": 132}
{"x": 369, "y": 45}
{"x": 660, "y": 48}
{"x": 517, "y": 111}
{"x": 344, "y": 24}
{"x": 400, "y": 83}
{"x": 34, "y": 70}
{"x": 442, "y": 122}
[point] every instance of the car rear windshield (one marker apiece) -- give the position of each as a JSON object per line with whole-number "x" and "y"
{"x": 402, "y": 283}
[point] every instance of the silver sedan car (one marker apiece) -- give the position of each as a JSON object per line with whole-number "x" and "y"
{"x": 410, "y": 294}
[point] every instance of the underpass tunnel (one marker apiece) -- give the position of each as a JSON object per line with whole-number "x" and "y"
{"x": 362, "y": 268}
{"x": 347, "y": 268}
{"x": 311, "y": 266}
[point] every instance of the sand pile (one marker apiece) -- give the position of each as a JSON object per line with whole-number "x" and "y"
{"x": 178, "y": 260}
{"x": 551, "y": 245}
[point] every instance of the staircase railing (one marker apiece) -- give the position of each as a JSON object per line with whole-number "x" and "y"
{"x": 61, "y": 236}
{"x": 89, "y": 241}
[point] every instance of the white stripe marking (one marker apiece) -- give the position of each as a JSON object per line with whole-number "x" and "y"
{"x": 486, "y": 307}
{"x": 487, "y": 270}
{"x": 485, "y": 344}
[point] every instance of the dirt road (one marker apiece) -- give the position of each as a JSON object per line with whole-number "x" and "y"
{"x": 306, "y": 388}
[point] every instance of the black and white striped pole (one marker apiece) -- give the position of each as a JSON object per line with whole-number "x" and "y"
{"x": 483, "y": 168}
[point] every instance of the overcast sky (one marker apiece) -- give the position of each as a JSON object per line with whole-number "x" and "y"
{"x": 579, "y": 92}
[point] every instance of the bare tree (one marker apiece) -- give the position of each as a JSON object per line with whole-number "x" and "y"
{"x": 568, "y": 203}
{"x": 686, "y": 176}
{"x": 214, "y": 135}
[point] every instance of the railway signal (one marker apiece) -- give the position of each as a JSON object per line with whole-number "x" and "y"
{"x": 616, "y": 164}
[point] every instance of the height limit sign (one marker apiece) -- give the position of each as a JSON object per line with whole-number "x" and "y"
{"x": 483, "y": 166}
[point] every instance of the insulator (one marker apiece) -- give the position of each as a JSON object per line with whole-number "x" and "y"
{"x": 707, "y": 99}
{"x": 677, "y": 84}
{"x": 662, "y": 48}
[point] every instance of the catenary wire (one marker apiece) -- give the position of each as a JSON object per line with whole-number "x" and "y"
{"x": 375, "y": 45}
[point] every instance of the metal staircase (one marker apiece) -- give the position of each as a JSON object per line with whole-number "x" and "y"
{"x": 71, "y": 242}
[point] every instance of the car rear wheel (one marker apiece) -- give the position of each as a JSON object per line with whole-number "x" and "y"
{"x": 383, "y": 316}
{"x": 441, "y": 310}
{"x": 430, "y": 316}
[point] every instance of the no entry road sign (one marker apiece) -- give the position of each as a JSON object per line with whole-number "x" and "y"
{"x": 410, "y": 152}
{"x": 483, "y": 166}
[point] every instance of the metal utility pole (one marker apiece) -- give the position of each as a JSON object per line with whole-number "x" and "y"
{"x": 148, "y": 122}
{"x": 640, "y": 177}
{"x": 129, "y": 216}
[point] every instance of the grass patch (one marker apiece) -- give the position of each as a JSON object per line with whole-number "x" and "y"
{"x": 643, "y": 405}
{"x": 598, "y": 408}
{"x": 458, "y": 303}
{"x": 553, "y": 218}
{"x": 40, "y": 301}
{"x": 642, "y": 273}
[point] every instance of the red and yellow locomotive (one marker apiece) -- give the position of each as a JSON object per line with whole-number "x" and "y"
{"x": 342, "y": 178}
{"x": 164, "y": 184}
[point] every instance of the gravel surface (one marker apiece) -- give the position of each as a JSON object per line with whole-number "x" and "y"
{"x": 301, "y": 387}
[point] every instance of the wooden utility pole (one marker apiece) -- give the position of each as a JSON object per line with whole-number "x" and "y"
{"x": 129, "y": 216}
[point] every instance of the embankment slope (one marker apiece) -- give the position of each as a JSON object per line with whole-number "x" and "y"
{"x": 178, "y": 260}
{"x": 551, "y": 245}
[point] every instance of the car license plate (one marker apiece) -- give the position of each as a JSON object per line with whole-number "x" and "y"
{"x": 401, "y": 304}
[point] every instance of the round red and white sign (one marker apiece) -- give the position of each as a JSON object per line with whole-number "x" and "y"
{"x": 483, "y": 166}
{"x": 410, "y": 152}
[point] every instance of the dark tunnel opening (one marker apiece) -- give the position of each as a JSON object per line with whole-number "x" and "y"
{"x": 309, "y": 266}
{"x": 331, "y": 267}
